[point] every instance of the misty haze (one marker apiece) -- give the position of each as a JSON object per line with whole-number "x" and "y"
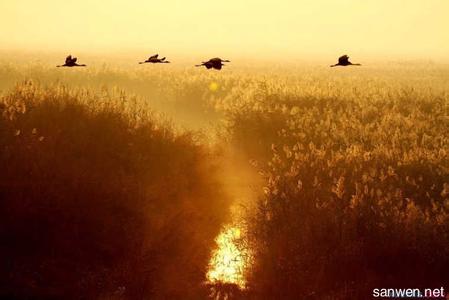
{"x": 223, "y": 150}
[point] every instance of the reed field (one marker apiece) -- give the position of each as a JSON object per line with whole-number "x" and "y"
{"x": 255, "y": 182}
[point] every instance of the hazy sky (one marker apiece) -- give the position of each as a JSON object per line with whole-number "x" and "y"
{"x": 401, "y": 28}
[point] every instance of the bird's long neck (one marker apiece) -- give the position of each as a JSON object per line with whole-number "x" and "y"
{"x": 356, "y": 64}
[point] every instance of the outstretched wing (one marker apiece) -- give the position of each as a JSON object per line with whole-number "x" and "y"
{"x": 154, "y": 56}
{"x": 343, "y": 59}
{"x": 68, "y": 59}
{"x": 218, "y": 66}
{"x": 74, "y": 60}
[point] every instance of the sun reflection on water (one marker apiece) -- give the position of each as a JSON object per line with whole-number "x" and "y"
{"x": 229, "y": 261}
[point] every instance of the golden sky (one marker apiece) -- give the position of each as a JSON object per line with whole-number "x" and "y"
{"x": 396, "y": 28}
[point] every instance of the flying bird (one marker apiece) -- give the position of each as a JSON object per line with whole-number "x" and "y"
{"x": 71, "y": 62}
{"x": 344, "y": 61}
{"x": 154, "y": 60}
{"x": 215, "y": 63}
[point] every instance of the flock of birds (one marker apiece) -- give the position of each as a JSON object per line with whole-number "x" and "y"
{"x": 213, "y": 63}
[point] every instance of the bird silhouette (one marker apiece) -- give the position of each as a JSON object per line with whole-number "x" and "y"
{"x": 344, "y": 61}
{"x": 215, "y": 63}
{"x": 71, "y": 62}
{"x": 154, "y": 60}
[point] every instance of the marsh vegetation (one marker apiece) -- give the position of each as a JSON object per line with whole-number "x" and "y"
{"x": 116, "y": 182}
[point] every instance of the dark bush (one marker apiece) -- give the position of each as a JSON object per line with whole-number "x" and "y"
{"x": 101, "y": 200}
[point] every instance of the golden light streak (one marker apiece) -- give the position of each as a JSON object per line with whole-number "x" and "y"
{"x": 228, "y": 262}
